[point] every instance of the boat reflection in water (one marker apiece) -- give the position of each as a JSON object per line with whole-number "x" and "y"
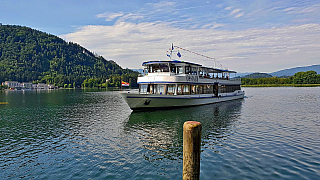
{"x": 161, "y": 131}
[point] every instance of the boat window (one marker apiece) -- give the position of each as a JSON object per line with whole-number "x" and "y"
{"x": 183, "y": 89}
{"x": 159, "y": 89}
{"x": 179, "y": 92}
{"x": 143, "y": 88}
{"x": 186, "y": 89}
{"x": 210, "y": 89}
{"x": 194, "y": 70}
{"x": 172, "y": 68}
{"x": 193, "y": 89}
{"x": 179, "y": 70}
{"x": 222, "y": 89}
{"x": 232, "y": 88}
{"x": 171, "y": 89}
{"x": 200, "y": 73}
{"x": 145, "y": 71}
{"x": 199, "y": 89}
{"x": 164, "y": 68}
{"x": 156, "y": 68}
{"x": 151, "y": 89}
{"x": 150, "y": 69}
{"x": 207, "y": 89}
{"x": 188, "y": 70}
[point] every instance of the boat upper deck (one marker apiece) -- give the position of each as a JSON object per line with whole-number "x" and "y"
{"x": 181, "y": 71}
{"x": 180, "y": 67}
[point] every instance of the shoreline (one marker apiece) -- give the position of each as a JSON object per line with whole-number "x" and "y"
{"x": 257, "y": 85}
{"x": 282, "y": 85}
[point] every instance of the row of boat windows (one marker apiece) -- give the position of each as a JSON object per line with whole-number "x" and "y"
{"x": 172, "y": 68}
{"x": 156, "y": 68}
{"x": 179, "y": 70}
{"x": 185, "y": 89}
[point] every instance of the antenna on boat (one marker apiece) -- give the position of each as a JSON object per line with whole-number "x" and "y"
{"x": 171, "y": 52}
{"x": 192, "y": 52}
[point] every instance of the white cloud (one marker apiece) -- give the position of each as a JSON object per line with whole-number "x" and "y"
{"x": 131, "y": 16}
{"x": 162, "y": 4}
{"x": 146, "y": 34}
{"x": 239, "y": 15}
{"x": 228, "y": 8}
{"x": 234, "y": 12}
{"x": 129, "y": 44}
{"x": 273, "y": 9}
{"x": 217, "y": 26}
{"x": 109, "y": 15}
{"x": 302, "y": 10}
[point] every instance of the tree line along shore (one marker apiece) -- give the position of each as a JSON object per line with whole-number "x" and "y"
{"x": 299, "y": 79}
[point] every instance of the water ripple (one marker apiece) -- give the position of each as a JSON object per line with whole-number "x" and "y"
{"x": 272, "y": 134}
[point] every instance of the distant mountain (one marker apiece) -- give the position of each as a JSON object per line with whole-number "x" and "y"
{"x": 292, "y": 71}
{"x": 257, "y": 75}
{"x": 243, "y": 74}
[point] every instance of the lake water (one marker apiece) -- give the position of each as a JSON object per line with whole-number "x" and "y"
{"x": 273, "y": 133}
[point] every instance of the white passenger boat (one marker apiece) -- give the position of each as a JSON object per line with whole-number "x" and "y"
{"x": 175, "y": 83}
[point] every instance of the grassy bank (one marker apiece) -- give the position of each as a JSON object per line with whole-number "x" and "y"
{"x": 282, "y": 85}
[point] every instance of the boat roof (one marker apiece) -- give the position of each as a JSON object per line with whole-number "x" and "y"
{"x": 210, "y": 69}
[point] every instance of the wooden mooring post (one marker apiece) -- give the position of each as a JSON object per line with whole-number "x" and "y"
{"x": 191, "y": 150}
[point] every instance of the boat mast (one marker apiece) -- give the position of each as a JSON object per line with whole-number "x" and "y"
{"x": 171, "y": 52}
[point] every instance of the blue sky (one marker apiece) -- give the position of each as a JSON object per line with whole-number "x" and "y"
{"x": 243, "y": 35}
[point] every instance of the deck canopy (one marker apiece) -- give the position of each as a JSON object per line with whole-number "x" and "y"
{"x": 171, "y": 62}
{"x": 215, "y": 70}
{"x": 163, "y": 64}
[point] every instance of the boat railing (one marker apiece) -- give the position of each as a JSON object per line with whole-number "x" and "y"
{"x": 222, "y": 78}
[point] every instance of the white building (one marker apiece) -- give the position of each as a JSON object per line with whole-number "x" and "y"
{"x": 45, "y": 86}
{"x": 12, "y": 84}
{"x": 27, "y": 85}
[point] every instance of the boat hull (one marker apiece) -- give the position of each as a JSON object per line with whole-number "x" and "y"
{"x": 147, "y": 101}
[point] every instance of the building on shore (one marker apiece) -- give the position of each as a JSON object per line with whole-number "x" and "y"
{"x": 11, "y": 84}
{"x": 17, "y": 85}
{"x": 44, "y": 86}
{"x": 26, "y": 85}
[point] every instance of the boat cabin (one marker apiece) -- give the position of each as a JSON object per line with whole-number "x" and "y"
{"x": 185, "y": 78}
{"x": 180, "y": 67}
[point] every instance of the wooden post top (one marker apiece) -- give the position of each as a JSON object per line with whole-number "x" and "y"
{"x": 192, "y": 125}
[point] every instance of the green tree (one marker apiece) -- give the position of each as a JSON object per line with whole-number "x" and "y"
{"x": 309, "y": 77}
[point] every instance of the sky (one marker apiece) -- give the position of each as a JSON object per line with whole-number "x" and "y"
{"x": 242, "y": 35}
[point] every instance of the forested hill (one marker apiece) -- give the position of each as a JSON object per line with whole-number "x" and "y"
{"x": 28, "y": 55}
{"x": 258, "y": 75}
{"x": 292, "y": 71}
